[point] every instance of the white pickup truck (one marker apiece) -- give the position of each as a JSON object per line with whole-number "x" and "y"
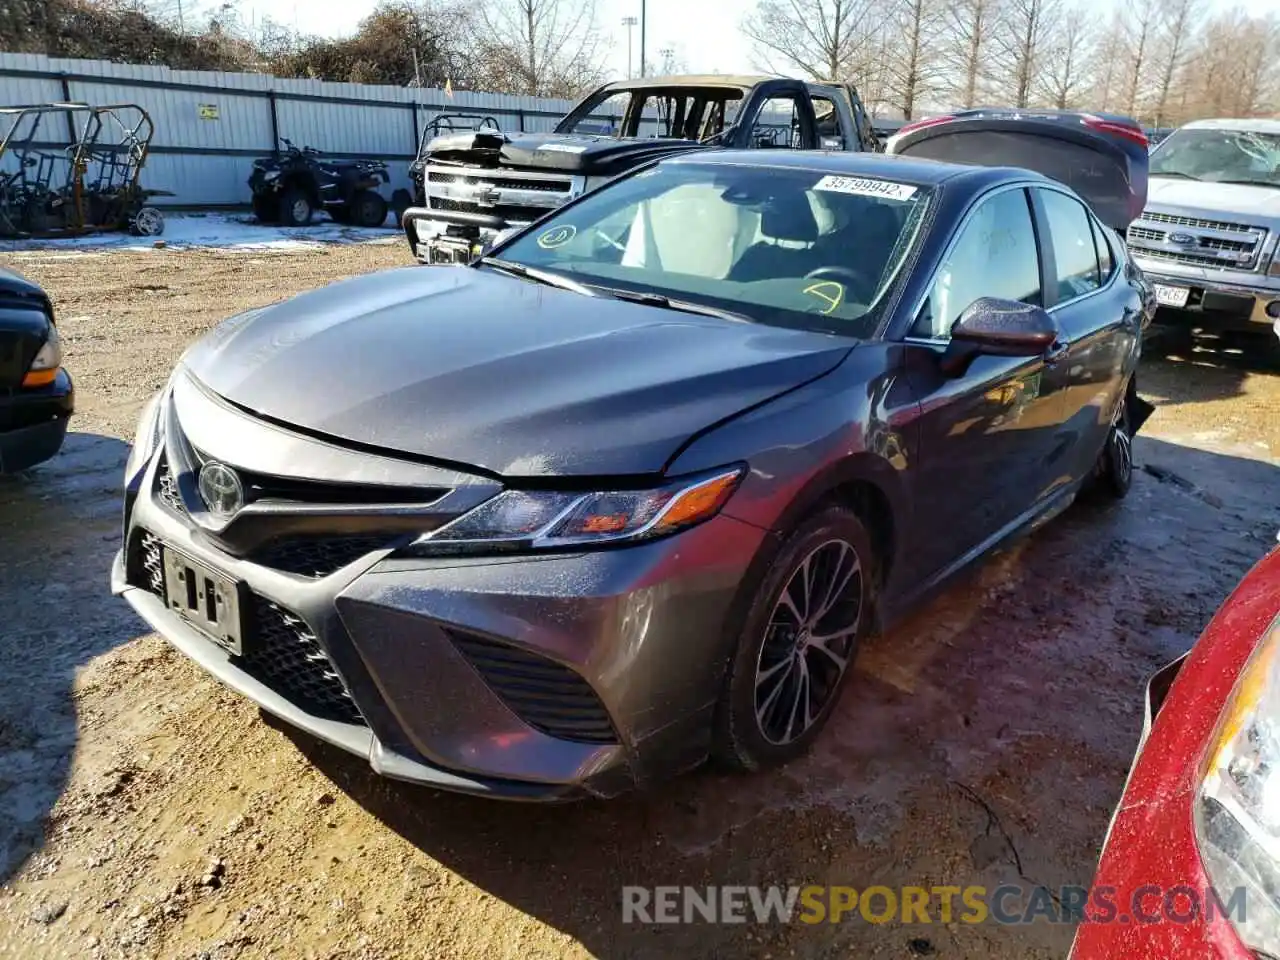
{"x": 1207, "y": 239}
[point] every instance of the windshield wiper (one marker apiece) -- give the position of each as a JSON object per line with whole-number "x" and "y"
{"x": 667, "y": 303}
{"x": 1173, "y": 173}
{"x": 536, "y": 275}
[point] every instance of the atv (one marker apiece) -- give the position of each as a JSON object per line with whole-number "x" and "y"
{"x": 289, "y": 187}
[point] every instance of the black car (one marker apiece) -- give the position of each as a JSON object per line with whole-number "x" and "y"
{"x": 36, "y": 394}
{"x": 290, "y": 187}
{"x": 630, "y": 490}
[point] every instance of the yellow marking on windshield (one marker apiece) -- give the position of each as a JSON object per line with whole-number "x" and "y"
{"x": 829, "y": 292}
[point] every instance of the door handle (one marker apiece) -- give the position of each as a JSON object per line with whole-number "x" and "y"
{"x": 1056, "y": 353}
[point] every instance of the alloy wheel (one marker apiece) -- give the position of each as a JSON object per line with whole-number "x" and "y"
{"x": 301, "y": 210}
{"x": 1122, "y": 445}
{"x": 809, "y": 641}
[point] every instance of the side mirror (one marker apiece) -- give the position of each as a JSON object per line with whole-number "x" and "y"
{"x": 1002, "y": 328}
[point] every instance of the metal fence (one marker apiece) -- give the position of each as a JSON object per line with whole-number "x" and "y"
{"x": 211, "y": 125}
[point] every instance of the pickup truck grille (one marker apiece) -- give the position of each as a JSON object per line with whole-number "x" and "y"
{"x": 1196, "y": 241}
{"x": 515, "y": 196}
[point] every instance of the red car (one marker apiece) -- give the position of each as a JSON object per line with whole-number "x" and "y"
{"x": 1191, "y": 864}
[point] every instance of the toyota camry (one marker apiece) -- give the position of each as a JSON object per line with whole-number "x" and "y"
{"x": 627, "y": 491}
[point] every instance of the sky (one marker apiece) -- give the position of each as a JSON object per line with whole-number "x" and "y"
{"x": 719, "y": 44}
{"x": 670, "y": 23}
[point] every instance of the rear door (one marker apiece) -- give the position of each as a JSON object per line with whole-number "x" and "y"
{"x": 987, "y": 438}
{"x": 1100, "y": 317}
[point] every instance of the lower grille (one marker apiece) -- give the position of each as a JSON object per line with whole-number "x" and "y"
{"x": 544, "y": 694}
{"x": 1189, "y": 259}
{"x": 285, "y": 654}
{"x": 319, "y": 556}
{"x": 283, "y": 651}
{"x": 145, "y": 567}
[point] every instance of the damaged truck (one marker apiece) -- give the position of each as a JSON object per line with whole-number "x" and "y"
{"x": 477, "y": 183}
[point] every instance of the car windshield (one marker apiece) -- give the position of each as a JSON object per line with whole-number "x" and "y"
{"x": 679, "y": 113}
{"x": 1239, "y": 156}
{"x": 783, "y": 246}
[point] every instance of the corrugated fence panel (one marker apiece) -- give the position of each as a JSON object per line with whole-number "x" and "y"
{"x": 209, "y": 126}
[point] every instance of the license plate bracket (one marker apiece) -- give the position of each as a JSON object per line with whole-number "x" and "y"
{"x": 204, "y": 598}
{"x": 1170, "y": 296}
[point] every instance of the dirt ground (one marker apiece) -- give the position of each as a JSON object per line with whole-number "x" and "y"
{"x": 147, "y": 812}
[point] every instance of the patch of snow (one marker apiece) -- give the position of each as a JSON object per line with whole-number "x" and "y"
{"x": 217, "y": 231}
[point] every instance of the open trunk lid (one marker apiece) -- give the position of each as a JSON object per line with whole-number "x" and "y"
{"x": 1104, "y": 158}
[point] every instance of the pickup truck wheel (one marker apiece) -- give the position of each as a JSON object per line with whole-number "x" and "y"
{"x": 368, "y": 209}
{"x": 295, "y": 208}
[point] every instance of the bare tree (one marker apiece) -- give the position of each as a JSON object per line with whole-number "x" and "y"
{"x": 916, "y": 69}
{"x": 1106, "y": 65}
{"x": 538, "y": 47}
{"x": 1021, "y": 44}
{"x": 1141, "y": 27}
{"x": 823, "y": 39}
{"x": 967, "y": 27}
{"x": 1065, "y": 75}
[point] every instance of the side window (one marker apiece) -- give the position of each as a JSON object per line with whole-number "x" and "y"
{"x": 1071, "y": 228}
{"x": 777, "y": 125}
{"x": 1106, "y": 262}
{"x": 830, "y": 136}
{"x": 994, "y": 255}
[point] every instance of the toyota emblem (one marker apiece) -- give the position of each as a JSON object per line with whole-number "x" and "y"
{"x": 220, "y": 489}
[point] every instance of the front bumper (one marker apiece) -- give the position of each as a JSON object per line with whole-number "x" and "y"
{"x": 1219, "y": 299}
{"x": 448, "y": 237}
{"x": 535, "y": 678}
{"x": 33, "y": 423}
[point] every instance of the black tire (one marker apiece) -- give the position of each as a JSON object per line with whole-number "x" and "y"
{"x": 1113, "y": 473}
{"x": 265, "y": 208}
{"x": 401, "y": 200}
{"x": 296, "y": 209}
{"x": 368, "y": 209}
{"x": 752, "y": 713}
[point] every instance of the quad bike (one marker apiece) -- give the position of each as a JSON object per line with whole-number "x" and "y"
{"x": 92, "y": 183}
{"x": 290, "y": 187}
{"x": 441, "y": 124}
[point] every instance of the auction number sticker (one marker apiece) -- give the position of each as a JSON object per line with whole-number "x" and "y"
{"x": 557, "y": 236}
{"x": 560, "y": 148}
{"x": 863, "y": 187}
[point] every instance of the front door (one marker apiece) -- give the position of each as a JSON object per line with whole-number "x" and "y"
{"x": 987, "y": 437}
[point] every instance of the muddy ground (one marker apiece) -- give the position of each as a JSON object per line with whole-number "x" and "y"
{"x": 147, "y": 812}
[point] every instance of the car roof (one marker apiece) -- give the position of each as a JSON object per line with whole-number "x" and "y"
{"x": 1257, "y": 125}
{"x": 741, "y": 81}
{"x": 881, "y": 166}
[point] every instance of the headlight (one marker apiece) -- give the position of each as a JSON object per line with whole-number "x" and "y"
{"x": 147, "y": 439}
{"x": 533, "y": 519}
{"x": 1237, "y": 814}
{"x": 44, "y": 368}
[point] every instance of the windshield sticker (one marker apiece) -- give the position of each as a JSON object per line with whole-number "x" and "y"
{"x": 557, "y": 236}
{"x": 886, "y": 189}
{"x": 559, "y": 148}
{"x": 830, "y": 292}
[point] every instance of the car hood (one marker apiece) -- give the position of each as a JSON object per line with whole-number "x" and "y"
{"x": 1240, "y": 199}
{"x": 470, "y": 367}
{"x": 571, "y": 153}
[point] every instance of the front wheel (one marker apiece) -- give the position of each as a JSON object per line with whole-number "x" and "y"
{"x": 813, "y": 607}
{"x": 295, "y": 208}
